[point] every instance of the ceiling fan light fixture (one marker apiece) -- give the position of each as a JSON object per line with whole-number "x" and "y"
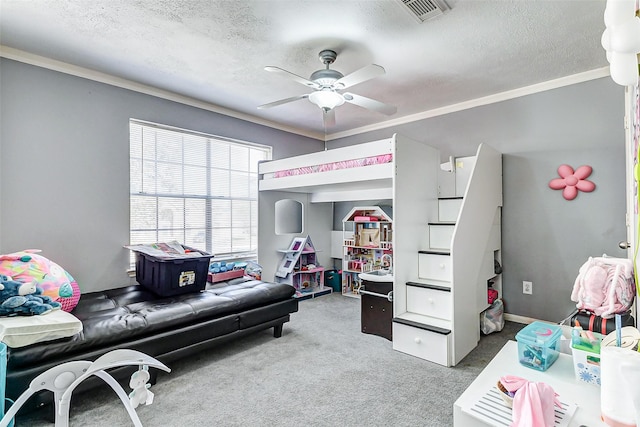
{"x": 326, "y": 99}
{"x": 328, "y": 85}
{"x": 326, "y": 77}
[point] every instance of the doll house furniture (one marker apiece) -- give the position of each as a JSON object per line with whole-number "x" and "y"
{"x": 165, "y": 328}
{"x": 446, "y": 230}
{"x": 300, "y": 268}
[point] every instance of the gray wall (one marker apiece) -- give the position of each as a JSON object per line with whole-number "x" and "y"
{"x": 545, "y": 239}
{"x": 64, "y": 165}
{"x": 64, "y": 173}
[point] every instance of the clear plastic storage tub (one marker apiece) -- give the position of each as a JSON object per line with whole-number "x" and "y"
{"x": 539, "y": 345}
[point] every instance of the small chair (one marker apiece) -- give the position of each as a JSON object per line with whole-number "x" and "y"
{"x": 64, "y": 378}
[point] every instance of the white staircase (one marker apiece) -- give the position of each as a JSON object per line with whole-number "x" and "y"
{"x": 439, "y": 320}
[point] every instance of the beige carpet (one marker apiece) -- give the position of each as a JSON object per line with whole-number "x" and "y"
{"x": 322, "y": 372}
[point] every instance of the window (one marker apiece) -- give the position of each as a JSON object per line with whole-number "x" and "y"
{"x": 198, "y": 189}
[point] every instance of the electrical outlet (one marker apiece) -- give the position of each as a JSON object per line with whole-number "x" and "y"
{"x": 527, "y": 287}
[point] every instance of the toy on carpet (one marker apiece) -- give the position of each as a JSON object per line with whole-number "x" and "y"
{"x": 63, "y": 379}
{"x": 23, "y": 299}
{"x": 141, "y": 395}
{"x": 56, "y": 283}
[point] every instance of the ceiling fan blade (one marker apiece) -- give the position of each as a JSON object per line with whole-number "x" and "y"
{"x": 329, "y": 118}
{"x": 359, "y": 76}
{"x": 282, "y": 101}
{"x": 369, "y": 103}
{"x": 295, "y": 77}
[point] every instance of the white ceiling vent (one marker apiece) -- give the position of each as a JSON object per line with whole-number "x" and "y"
{"x": 424, "y": 10}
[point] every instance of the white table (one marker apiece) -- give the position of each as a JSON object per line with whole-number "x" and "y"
{"x": 560, "y": 376}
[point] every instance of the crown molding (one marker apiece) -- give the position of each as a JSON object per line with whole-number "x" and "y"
{"x": 63, "y": 67}
{"x": 51, "y": 64}
{"x": 491, "y": 99}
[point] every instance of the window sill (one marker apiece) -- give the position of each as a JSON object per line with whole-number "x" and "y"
{"x": 131, "y": 271}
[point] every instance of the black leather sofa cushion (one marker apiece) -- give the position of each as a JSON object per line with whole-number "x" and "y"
{"x": 119, "y": 315}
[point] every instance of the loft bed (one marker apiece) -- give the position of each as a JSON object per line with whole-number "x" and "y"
{"x": 357, "y": 172}
{"x": 406, "y": 173}
{"x": 391, "y": 169}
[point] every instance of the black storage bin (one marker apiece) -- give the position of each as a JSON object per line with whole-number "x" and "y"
{"x": 173, "y": 276}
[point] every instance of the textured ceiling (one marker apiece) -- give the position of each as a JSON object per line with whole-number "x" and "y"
{"x": 215, "y": 50}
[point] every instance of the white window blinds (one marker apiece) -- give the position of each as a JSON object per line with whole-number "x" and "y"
{"x": 198, "y": 189}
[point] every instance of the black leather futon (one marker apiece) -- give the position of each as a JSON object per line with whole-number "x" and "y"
{"x": 166, "y": 328}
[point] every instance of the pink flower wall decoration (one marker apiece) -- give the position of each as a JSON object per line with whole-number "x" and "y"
{"x": 570, "y": 181}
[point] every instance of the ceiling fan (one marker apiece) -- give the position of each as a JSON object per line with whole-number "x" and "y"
{"x": 328, "y": 86}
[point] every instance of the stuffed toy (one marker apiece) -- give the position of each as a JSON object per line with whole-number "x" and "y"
{"x": 141, "y": 395}
{"x": 27, "y": 266}
{"x": 23, "y": 299}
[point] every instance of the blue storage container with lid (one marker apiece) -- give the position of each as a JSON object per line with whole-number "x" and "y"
{"x": 538, "y": 345}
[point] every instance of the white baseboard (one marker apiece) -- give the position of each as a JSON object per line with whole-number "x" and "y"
{"x": 518, "y": 319}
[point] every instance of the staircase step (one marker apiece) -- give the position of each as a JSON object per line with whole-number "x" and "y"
{"x": 429, "y": 286}
{"x": 434, "y": 252}
{"x": 435, "y": 265}
{"x": 420, "y": 282}
{"x": 441, "y": 235}
{"x": 422, "y": 326}
{"x": 449, "y": 208}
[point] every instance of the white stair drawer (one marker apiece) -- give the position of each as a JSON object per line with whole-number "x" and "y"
{"x": 440, "y": 236}
{"x": 429, "y": 302}
{"x": 428, "y": 345}
{"x": 434, "y": 267}
{"x": 448, "y": 209}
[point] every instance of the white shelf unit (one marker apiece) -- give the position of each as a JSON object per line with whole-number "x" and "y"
{"x": 367, "y": 241}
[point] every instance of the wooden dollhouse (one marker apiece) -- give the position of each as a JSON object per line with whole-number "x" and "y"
{"x": 366, "y": 235}
{"x": 300, "y": 268}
